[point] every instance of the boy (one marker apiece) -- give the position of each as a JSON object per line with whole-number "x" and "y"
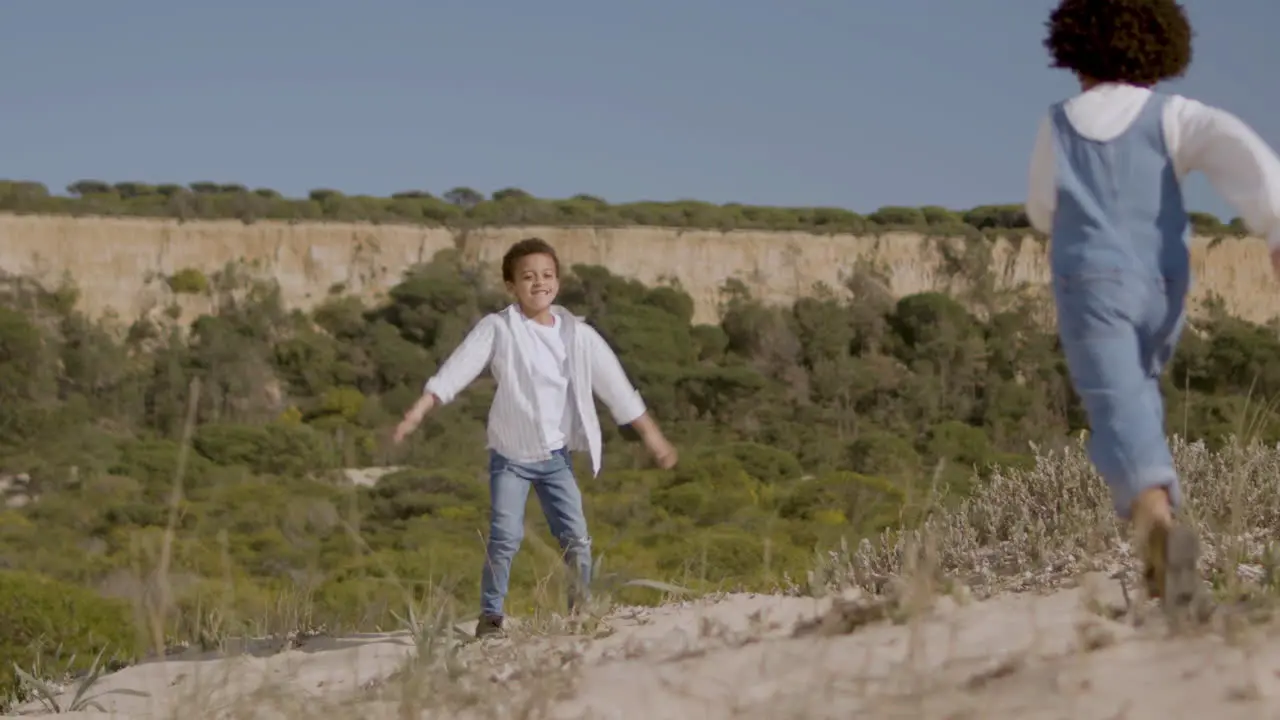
{"x": 547, "y": 363}
{"x": 1105, "y": 185}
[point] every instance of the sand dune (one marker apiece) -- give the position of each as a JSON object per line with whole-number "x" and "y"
{"x": 1072, "y": 653}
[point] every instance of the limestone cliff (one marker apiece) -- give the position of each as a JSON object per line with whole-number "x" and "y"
{"x": 121, "y": 265}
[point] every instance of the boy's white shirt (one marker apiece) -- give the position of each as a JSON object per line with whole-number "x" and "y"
{"x": 499, "y": 342}
{"x": 1238, "y": 164}
{"x": 548, "y": 360}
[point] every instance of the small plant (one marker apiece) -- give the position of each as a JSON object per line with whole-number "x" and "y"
{"x": 189, "y": 281}
{"x": 432, "y": 628}
{"x": 47, "y": 695}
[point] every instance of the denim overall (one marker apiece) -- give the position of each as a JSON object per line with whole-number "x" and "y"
{"x": 1121, "y": 271}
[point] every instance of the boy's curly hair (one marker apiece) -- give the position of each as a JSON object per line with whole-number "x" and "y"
{"x": 1139, "y": 42}
{"x": 525, "y": 248}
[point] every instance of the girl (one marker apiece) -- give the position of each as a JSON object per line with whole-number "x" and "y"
{"x": 547, "y": 364}
{"x": 1105, "y": 184}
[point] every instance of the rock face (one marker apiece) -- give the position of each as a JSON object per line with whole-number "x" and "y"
{"x": 121, "y": 266}
{"x": 16, "y": 491}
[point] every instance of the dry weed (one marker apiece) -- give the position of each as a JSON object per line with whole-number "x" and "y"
{"x": 1037, "y": 529}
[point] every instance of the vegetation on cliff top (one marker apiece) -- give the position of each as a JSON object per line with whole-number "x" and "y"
{"x": 466, "y": 207}
{"x": 799, "y": 426}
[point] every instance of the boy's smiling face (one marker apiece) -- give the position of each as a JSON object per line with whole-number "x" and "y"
{"x": 536, "y": 283}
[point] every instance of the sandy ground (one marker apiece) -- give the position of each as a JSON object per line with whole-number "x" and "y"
{"x": 1022, "y": 656}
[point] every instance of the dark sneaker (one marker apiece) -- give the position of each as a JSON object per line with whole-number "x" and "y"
{"x": 1155, "y": 548}
{"x": 1181, "y": 575}
{"x": 1170, "y": 560}
{"x": 579, "y": 599}
{"x": 488, "y": 626}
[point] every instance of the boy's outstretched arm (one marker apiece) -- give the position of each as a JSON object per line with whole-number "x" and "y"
{"x": 462, "y": 367}
{"x": 609, "y": 381}
{"x": 1238, "y": 163}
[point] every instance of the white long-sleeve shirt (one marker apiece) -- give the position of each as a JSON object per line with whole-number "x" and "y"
{"x": 550, "y": 364}
{"x": 516, "y": 429}
{"x": 1239, "y": 164}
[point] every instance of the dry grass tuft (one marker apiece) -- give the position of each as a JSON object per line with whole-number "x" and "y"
{"x": 1037, "y": 529}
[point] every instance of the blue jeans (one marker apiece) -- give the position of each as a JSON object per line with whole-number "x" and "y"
{"x": 1118, "y": 331}
{"x": 561, "y": 502}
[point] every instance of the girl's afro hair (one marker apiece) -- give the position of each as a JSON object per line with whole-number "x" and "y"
{"x": 1139, "y": 42}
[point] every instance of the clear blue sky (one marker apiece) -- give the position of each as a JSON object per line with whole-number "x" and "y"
{"x": 850, "y": 104}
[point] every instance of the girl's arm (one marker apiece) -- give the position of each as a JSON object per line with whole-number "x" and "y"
{"x": 1042, "y": 187}
{"x": 1238, "y": 164}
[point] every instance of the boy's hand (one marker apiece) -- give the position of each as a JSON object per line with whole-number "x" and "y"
{"x": 413, "y": 418}
{"x": 663, "y": 452}
{"x": 655, "y": 441}
{"x": 1275, "y": 262}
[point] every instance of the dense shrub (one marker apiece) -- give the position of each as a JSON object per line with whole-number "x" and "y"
{"x": 465, "y": 207}
{"x": 189, "y": 281}
{"x": 44, "y": 622}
